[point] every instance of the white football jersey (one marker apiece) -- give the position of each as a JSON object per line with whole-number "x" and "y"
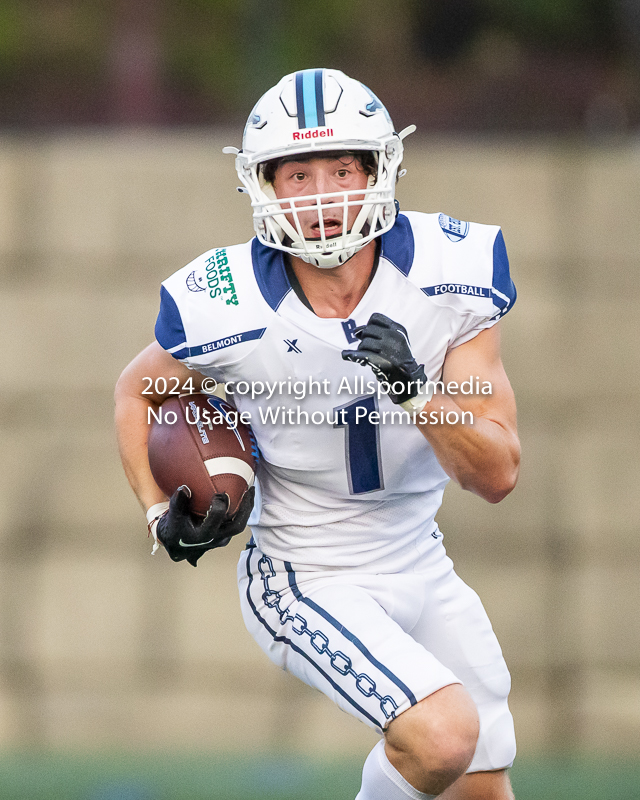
{"x": 346, "y": 478}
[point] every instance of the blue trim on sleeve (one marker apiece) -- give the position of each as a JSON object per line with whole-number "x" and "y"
{"x": 169, "y": 329}
{"x": 347, "y": 634}
{"x": 456, "y": 288}
{"x": 227, "y": 341}
{"x": 268, "y": 267}
{"x": 504, "y": 292}
{"x": 398, "y": 245}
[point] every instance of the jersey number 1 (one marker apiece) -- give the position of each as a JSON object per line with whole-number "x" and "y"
{"x": 362, "y": 445}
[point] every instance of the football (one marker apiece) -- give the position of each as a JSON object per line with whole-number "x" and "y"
{"x": 198, "y": 440}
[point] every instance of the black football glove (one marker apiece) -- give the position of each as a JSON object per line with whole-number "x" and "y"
{"x": 184, "y": 536}
{"x": 384, "y": 346}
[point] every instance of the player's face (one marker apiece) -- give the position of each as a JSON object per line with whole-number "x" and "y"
{"x": 321, "y": 176}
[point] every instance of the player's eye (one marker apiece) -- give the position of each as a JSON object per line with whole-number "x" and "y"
{"x": 342, "y": 173}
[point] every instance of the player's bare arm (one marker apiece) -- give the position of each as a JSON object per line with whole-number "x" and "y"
{"x": 483, "y": 457}
{"x": 132, "y": 414}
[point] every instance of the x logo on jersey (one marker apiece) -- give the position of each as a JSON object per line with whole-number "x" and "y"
{"x": 293, "y": 346}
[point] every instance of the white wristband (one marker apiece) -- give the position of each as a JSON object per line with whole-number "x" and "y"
{"x": 153, "y": 515}
{"x": 417, "y": 403}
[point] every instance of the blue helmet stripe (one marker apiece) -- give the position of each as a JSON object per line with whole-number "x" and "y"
{"x": 319, "y": 98}
{"x": 309, "y": 97}
{"x": 300, "y": 100}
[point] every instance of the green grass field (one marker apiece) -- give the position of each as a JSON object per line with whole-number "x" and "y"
{"x": 159, "y": 777}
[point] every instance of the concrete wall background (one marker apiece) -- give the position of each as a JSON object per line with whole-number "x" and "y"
{"x": 100, "y": 646}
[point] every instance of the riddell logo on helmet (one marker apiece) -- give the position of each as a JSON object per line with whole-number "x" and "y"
{"x": 314, "y": 133}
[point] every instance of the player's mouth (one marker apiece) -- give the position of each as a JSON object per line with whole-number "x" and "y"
{"x": 332, "y": 227}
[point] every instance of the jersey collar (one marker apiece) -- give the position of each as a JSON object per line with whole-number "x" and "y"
{"x": 396, "y": 246}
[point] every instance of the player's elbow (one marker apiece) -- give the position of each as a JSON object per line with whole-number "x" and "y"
{"x": 504, "y": 482}
{"x": 122, "y": 388}
{"x": 497, "y": 493}
{"x": 493, "y": 488}
{"x": 128, "y": 385}
{"x": 119, "y": 389}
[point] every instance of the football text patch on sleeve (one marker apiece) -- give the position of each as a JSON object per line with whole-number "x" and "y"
{"x": 456, "y": 288}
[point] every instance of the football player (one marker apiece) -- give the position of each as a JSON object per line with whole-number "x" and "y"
{"x": 345, "y": 581}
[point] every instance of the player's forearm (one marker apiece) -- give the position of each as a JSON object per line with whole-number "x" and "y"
{"x": 482, "y": 457}
{"x": 135, "y": 393}
{"x": 132, "y": 430}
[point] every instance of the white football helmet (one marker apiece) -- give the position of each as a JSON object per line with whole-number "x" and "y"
{"x": 318, "y": 111}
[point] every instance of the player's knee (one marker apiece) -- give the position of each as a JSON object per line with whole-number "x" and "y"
{"x": 449, "y": 755}
{"x": 434, "y": 744}
{"x": 446, "y": 749}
